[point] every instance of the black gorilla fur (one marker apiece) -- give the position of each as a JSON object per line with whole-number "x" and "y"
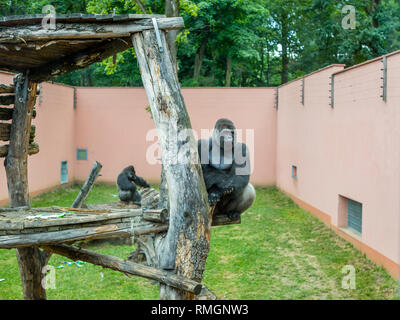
{"x": 230, "y": 191}
{"x": 126, "y": 183}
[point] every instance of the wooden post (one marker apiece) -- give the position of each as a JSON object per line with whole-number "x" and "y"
{"x": 30, "y": 260}
{"x": 88, "y": 185}
{"x": 185, "y": 246}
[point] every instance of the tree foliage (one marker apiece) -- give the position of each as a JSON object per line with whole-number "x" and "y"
{"x": 243, "y": 42}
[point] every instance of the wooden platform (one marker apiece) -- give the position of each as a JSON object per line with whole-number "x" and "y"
{"x": 54, "y": 225}
{"x": 77, "y": 40}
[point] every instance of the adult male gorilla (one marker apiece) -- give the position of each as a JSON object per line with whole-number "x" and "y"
{"x": 226, "y": 170}
{"x": 126, "y": 183}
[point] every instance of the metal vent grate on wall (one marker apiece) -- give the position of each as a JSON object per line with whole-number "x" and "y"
{"x": 354, "y": 215}
{"x": 64, "y": 172}
{"x": 81, "y": 154}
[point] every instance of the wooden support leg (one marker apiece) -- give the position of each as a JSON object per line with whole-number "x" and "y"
{"x": 30, "y": 260}
{"x": 185, "y": 247}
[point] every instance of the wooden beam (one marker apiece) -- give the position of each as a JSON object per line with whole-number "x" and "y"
{"x": 124, "y": 266}
{"x": 30, "y": 260}
{"x": 6, "y": 113}
{"x": 7, "y": 88}
{"x": 75, "y": 31}
{"x": 7, "y": 100}
{"x": 156, "y": 215}
{"x": 123, "y": 230}
{"x": 186, "y": 244}
{"x": 32, "y": 149}
{"x": 88, "y": 185}
{"x": 5, "y": 131}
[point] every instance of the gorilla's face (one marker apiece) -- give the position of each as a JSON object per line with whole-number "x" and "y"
{"x": 131, "y": 172}
{"x": 226, "y": 138}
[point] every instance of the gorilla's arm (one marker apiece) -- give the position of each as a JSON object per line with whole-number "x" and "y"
{"x": 124, "y": 183}
{"x": 140, "y": 182}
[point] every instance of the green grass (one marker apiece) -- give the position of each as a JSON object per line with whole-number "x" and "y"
{"x": 278, "y": 252}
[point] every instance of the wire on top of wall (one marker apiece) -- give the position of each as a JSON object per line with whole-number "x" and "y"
{"x": 332, "y": 91}
{"x": 276, "y": 98}
{"x": 302, "y": 90}
{"x": 384, "y": 79}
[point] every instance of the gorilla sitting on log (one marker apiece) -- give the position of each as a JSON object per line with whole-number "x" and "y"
{"x": 226, "y": 170}
{"x": 126, "y": 183}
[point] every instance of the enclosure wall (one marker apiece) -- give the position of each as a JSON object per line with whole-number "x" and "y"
{"x": 115, "y": 128}
{"x": 320, "y": 150}
{"x": 346, "y": 151}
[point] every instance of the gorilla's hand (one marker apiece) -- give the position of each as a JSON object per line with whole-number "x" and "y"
{"x": 213, "y": 198}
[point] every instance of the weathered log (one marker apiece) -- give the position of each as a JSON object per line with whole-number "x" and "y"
{"x": 75, "y": 31}
{"x": 7, "y": 88}
{"x": 123, "y": 230}
{"x": 32, "y": 149}
{"x": 124, "y": 266}
{"x": 30, "y": 260}
{"x": 88, "y": 185}
{"x": 186, "y": 244}
{"x": 7, "y": 100}
{"x": 156, "y": 215}
{"x": 5, "y": 132}
{"x": 6, "y": 113}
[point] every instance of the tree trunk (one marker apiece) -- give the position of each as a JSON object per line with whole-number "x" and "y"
{"x": 30, "y": 260}
{"x": 228, "y": 72}
{"x": 268, "y": 69}
{"x": 198, "y": 59}
{"x": 185, "y": 246}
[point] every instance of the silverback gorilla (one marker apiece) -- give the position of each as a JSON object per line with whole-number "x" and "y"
{"x": 226, "y": 170}
{"x": 126, "y": 183}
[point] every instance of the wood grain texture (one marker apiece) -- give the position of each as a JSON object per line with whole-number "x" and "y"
{"x": 129, "y": 267}
{"x": 186, "y": 244}
{"x": 88, "y": 185}
{"x": 30, "y": 260}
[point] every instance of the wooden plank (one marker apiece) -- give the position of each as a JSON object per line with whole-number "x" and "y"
{"x": 70, "y": 220}
{"x": 97, "y": 232}
{"x": 74, "y": 17}
{"x": 7, "y": 88}
{"x": 86, "y": 31}
{"x": 7, "y": 100}
{"x": 129, "y": 267}
{"x": 158, "y": 216}
{"x": 6, "y": 113}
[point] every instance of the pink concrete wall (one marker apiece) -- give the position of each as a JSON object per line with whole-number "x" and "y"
{"x": 352, "y": 150}
{"x": 55, "y": 135}
{"x": 112, "y": 124}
